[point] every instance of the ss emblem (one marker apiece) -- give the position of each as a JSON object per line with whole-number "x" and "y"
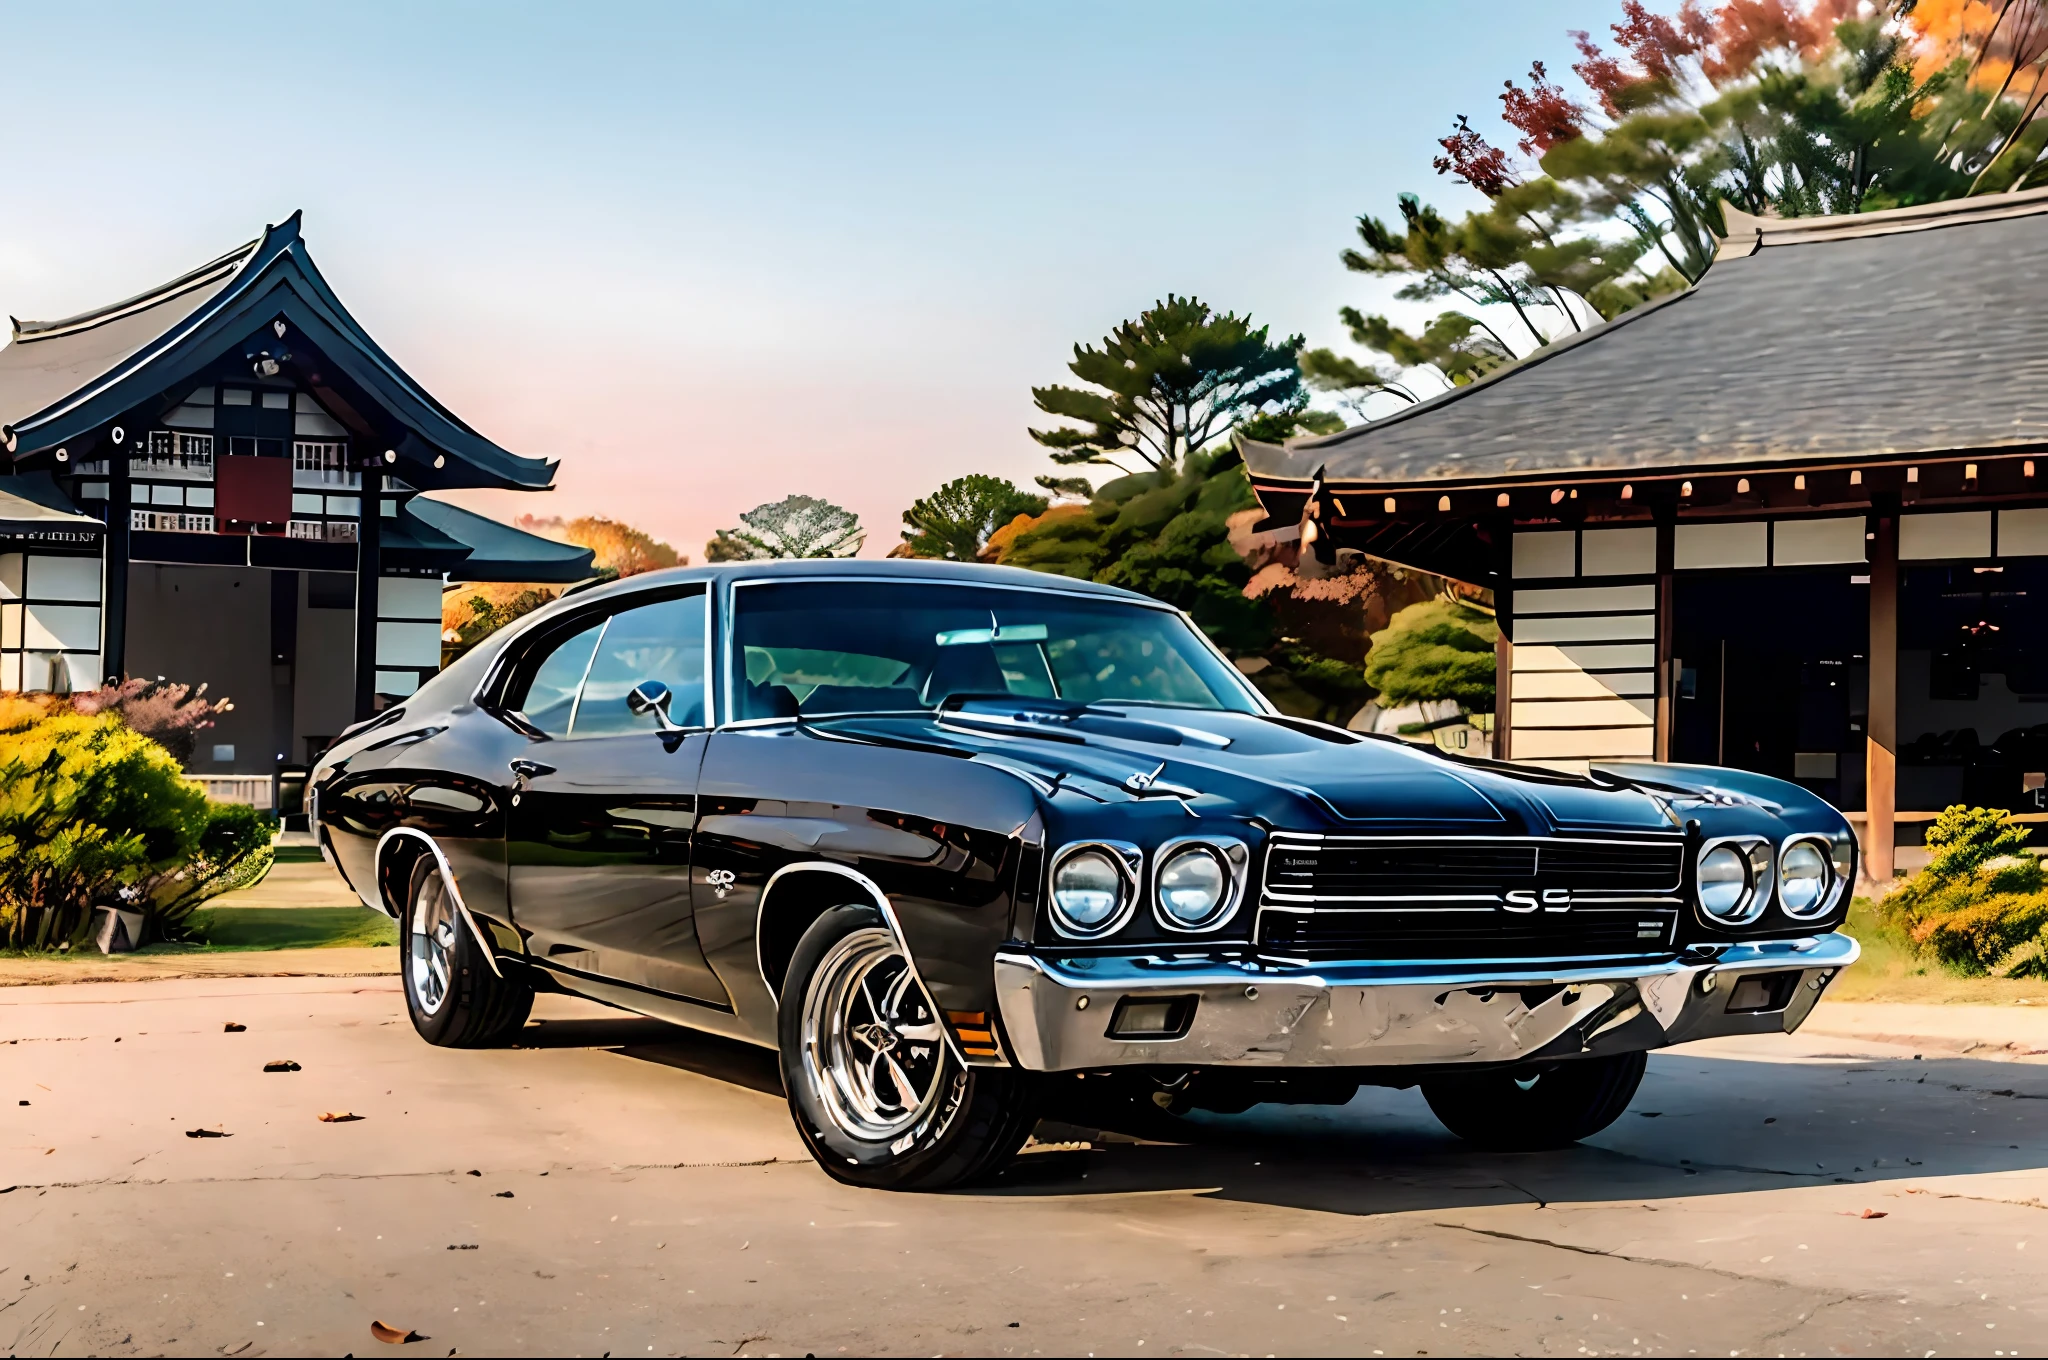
{"x": 721, "y": 881}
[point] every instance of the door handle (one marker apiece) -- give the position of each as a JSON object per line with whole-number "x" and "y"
{"x": 524, "y": 771}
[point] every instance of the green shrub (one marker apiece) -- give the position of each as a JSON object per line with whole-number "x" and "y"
{"x": 1438, "y": 649}
{"x": 93, "y": 813}
{"x": 1981, "y": 904}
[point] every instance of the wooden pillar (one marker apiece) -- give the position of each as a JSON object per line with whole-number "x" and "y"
{"x": 1667, "y": 661}
{"x": 1504, "y": 646}
{"x": 1881, "y": 736}
{"x": 369, "y": 532}
{"x": 114, "y": 556}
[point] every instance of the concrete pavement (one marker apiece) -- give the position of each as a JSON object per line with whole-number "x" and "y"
{"x": 639, "y": 1191}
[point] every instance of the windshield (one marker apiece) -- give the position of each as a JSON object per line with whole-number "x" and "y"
{"x": 814, "y": 647}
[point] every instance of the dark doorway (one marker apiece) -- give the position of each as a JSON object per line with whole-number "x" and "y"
{"x": 1973, "y": 686}
{"x": 1773, "y": 677}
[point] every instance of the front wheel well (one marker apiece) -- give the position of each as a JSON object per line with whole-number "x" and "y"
{"x": 793, "y": 900}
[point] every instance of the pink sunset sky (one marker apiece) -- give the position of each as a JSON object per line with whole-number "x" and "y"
{"x": 708, "y": 256}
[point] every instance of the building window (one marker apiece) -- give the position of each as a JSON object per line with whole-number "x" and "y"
{"x": 324, "y": 531}
{"x": 322, "y": 462}
{"x": 170, "y": 521}
{"x": 173, "y": 453}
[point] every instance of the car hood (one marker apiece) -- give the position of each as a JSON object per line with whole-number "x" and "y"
{"x": 1289, "y": 772}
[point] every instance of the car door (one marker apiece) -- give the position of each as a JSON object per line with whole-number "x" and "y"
{"x": 600, "y": 824}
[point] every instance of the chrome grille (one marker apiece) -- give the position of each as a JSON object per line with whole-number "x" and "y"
{"x": 1453, "y": 898}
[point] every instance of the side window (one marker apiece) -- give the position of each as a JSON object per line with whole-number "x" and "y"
{"x": 550, "y": 702}
{"x": 661, "y": 641}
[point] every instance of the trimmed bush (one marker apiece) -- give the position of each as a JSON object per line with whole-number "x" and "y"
{"x": 1981, "y": 904}
{"x": 93, "y": 813}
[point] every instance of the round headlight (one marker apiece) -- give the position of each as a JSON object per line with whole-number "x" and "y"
{"x": 1193, "y": 887}
{"x": 1724, "y": 883}
{"x": 1803, "y": 879}
{"x": 1087, "y": 890}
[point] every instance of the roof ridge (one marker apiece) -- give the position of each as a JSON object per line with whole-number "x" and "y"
{"x": 1747, "y": 232}
{"x": 27, "y": 332}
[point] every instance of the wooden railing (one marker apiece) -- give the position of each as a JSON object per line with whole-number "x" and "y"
{"x": 253, "y": 789}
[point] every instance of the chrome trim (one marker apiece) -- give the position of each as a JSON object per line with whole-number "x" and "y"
{"x": 1130, "y": 862}
{"x": 1830, "y": 895}
{"x": 1236, "y": 858}
{"x": 1762, "y": 890}
{"x": 1358, "y": 1015}
{"x": 447, "y": 881}
{"x": 607, "y": 607}
{"x": 882, "y": 904}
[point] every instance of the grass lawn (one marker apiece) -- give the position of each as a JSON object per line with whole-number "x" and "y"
{"x": 292, "y": 927}
{"x": 1890, "y": 971}
{"x": 221, "y": 930}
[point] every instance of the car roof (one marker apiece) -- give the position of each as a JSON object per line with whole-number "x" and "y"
{"x": 871, "y": 569}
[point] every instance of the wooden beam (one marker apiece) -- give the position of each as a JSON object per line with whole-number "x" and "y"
{"x": 114, "y": 552}
{"x": 369, "y": 531}
{"x": 1667, "y": 668}
{"x": 1504, "y": 646}
{"x": 1881, "y": 734}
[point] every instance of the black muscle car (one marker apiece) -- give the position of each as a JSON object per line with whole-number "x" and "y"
{"x": 935, "y": 832}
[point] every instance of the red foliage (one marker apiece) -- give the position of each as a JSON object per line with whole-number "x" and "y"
{"x": 172, "y": 715}
{"x": 1746, "y": 29}
{"x": 1604, "y": 75}
{"x": 1469, "y": 157}
{"x": 1543, "y": 113}
{"x": 1655, "y": 43}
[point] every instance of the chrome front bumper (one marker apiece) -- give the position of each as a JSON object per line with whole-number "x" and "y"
{"x": 1057, "y": 1012}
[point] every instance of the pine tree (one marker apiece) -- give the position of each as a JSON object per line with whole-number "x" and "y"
{"x": 1167, "y": 384}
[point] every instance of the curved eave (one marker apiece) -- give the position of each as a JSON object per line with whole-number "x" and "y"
{"x": 495, "y": 551}
{"x": 278, "y": 279}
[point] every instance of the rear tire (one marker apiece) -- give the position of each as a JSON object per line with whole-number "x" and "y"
{"x": 1528, "y": 1110}
{"x": 875, "y": 1090}
{"x": 454, "y": 998}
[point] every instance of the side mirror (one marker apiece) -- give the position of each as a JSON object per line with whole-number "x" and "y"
{"x": 651, "y": 696}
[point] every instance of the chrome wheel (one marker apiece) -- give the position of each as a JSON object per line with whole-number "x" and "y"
{"x": 872, "y": 1049}
{"x": 431, "y": 945}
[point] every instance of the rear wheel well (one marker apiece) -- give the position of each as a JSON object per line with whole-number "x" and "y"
{"x": 792, "y": 902}
{"x": 394, "y": 870}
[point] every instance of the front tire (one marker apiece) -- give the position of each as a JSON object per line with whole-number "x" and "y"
{"x": 454, "y": 998}
{"x": 1538, "y": 1108}
{"x": 876, "y": 1092}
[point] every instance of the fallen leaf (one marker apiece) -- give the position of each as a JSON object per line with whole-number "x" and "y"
{"x": 332, "y": 1118}
{"x": 232, "y": 1027}
{"x": 207, "y": 1133}
{"x": 395, "y": 1336}
{"x": 476, "y": 1173}
{"x": 48, "y": 1151}
{"x": 280, "y": 1065}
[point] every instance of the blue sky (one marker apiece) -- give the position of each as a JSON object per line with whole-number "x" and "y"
{"x": 709, "y": 255}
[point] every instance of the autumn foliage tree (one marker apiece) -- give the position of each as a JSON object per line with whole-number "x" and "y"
{"x": 1614, "y": 190}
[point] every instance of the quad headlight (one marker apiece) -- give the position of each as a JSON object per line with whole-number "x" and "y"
{"x": 1094, "y": 887}
{"x": 1197, "y": 882}
{"x": 1809, "y": 882}
{"x": 1735, "y": 879}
